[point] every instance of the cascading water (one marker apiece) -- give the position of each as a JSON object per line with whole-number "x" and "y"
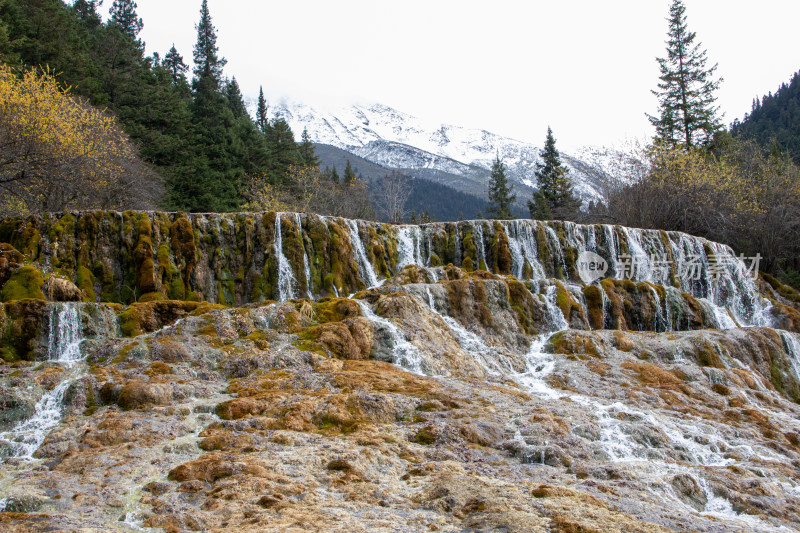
{"x": 792, "y": 346}
{"x": 286, "y": 281}
{"x": 405, "y": 354}
{"x": 540, "y": 364}
{"x": 708, "y": 271}
{"x": 487, "y": 357}
{"x": 360, "y": 255}
{"x": 65, "y": 338}
{"x": 478, "y": 236}
{"x": 306, "y": 268}
{"x": 409, "y": 240}
{"x": 64, "y": 347}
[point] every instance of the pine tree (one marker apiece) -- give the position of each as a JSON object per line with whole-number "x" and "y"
{"x": 173, "y": 62}
{"x": 334, "y": 175}
{"x": 87, "y": 12}
{"x": 261, "y": 112}
{"x": 501, "y": 192}
{"x": 208, "y": 65}
{"x": 282, "y": 149}
{"x": 349, "y": 175}
{"x": 123, "y": 12}
{"x": 555, "y": 198}
{"x": 234, "y": 96}
{"x": 217, "y": 176}
{"x": 687, "y": 115}
{"x": 308, "y": 157}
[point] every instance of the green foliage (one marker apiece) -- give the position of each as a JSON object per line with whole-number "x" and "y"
{"x": 306, "y": 153}
{"x": 262, "y": 122}
{"x": 123, "y": 13}
{"x": 26, "y": 282}
{"x": 554, "y": 198}
{"x": 349, "y": 175}
{"x": 501, "y": 192}
{"x": 774, "y": 120}
{"x": 687, "y": 115}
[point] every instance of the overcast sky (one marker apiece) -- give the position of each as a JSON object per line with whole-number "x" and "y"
{"x": 584, "y": 67}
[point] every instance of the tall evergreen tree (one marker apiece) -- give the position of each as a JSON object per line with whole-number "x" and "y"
{"x": 349, "y": 174}
{"x": 261, "y": 112}
{"x": 687, "y": 115}
{"x": 234, "y": 97}
{"x": 173, "y": 62}
{"x": 282, "y": 150}
{"x": 308, "y": 157}
{"x": 207, "y": 63}
{"x": 501, "y": 192}
{"x": 123, "y": 12}
{"x": 87, "y": 12}
{"x": 555, "y": 198}
{"x": 217, "y": 175}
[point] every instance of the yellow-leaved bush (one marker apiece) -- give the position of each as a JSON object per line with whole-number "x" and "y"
{"x": 59, "y": 153}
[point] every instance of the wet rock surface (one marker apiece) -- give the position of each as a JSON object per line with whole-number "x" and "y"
{"x": 443, "y": 400}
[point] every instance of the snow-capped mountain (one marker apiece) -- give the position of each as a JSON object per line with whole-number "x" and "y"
{"x": 459, "y": 157}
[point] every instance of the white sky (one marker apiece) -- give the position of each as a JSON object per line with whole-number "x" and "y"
{"x": 584, "y": 67}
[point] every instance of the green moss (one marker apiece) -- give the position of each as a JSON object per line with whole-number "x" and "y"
{"x": 85, "y": 282}
{"x": 707, "y": 354}
{"x": 784, "y": 290}
{"x": 143, "y": 256}
{"x": 335, "y": 309}
{"x": 20, "y": 328}
{"x": 424, "y": 436}
{"x": 435, "y": 261}
{"x": 563, "y": 300}
{"x": 26, "y": 282}
{"x": 500, "y": 252}
{"x": 594, "y": 304}
{"x": 28, "y": 241}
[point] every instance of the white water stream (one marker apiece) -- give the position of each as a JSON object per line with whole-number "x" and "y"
{"x": 64, "y": 348}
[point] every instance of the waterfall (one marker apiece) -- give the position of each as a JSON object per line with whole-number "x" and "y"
{"x": 406, "y": 355}
{"x": 613, "y": 250}
{"x": 286, "y": 281}
{"x": 478, "y": 236}
{"x": 792, "y": 346}
{"x": 472, "y": 343}
{"x": 538, "y": 363}
{"x": 456, "y": 246}
{"x": 409, "y": 240}
{"x": 523, "y": 247}
{"x": 365, "y": 269}
{"x": 306, "y": 268}
{"x": 64, "y": 341}
{"x": 65, "y": 338}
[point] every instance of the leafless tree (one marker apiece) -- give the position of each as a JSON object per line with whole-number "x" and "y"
{"x": 394, "y": 189}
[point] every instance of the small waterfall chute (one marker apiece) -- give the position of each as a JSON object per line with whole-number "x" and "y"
{"x": 405, "y": 354}
{"x": 792, "y": 346}
{"x": 306, "y": 267}
{"x": 286, "y": 281}
{"x": 64, "y": 347}
{"x": 365, "y": 269}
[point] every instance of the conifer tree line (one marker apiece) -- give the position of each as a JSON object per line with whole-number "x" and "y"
{"x": 739, "y": 186}
{"x": 188, "y": 122}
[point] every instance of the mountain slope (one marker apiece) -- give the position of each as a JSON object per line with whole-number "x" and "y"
{"x": 430, "y": 191}
{"x": 458, "y": 157}
{"x": 776, "y": 117}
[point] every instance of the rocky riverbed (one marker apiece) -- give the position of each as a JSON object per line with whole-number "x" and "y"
{"x": 444, "y": 399}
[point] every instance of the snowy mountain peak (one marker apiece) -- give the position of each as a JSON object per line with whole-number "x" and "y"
{"x": 394, "y": 139}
